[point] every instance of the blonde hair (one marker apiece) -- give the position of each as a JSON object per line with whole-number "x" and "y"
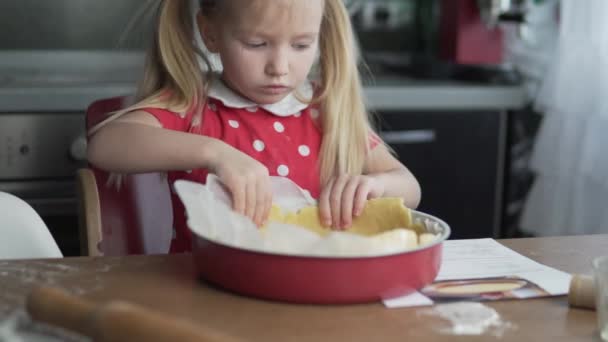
{"x": 173, "y": 79}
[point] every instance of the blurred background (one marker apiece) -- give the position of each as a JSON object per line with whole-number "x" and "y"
{"x": 455, "y": 85}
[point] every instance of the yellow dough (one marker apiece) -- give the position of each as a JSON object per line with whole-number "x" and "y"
{"x": 427, "y": 239}
{"x": 379, "y": 215}
{"x": 396, "y": 237}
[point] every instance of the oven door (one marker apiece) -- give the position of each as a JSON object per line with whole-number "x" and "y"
{"x": 39, "y": 155}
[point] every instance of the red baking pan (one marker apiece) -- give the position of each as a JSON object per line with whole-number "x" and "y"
{"x": 321, "y": 280}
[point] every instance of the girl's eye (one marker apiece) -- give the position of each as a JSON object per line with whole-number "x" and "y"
{"x": 255, "y": 44}
{"x": 301, "y": 46}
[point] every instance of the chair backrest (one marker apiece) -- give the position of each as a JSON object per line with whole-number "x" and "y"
{"x": 23, "y": 234}
{"x": 135, "y": 218}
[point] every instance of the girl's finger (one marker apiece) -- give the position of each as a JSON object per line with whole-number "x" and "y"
{"x": 324, "y": 207}
{"x": 250, "y": 199}
{"x": 361, "y": 197}
{"x": 335, "y": 199}
{"x": 347, "y": 200}
{"x": 267, "y": 201}
{"x": 238, "y": 197}
{"x": 260, "y": 204}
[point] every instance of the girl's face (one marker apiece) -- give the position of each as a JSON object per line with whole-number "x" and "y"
{"x": 267, "y": 47}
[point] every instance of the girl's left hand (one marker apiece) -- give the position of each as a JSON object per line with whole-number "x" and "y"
{"x": 344, "y": 197}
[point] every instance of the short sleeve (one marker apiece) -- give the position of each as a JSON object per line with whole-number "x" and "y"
{"x": 374, "y": 140}
{"x": 170, "y": 120}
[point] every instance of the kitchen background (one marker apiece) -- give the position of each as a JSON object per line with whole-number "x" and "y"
{"x": 452, "y": 83}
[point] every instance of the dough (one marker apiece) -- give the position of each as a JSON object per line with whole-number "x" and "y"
{"x": 379, "y": 215}
{"x": 427, "y": 239}
{"x": 395, "y": 239}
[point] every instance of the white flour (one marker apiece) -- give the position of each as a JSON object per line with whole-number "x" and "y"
{"x": 18, "y": 327}
{"x": 18, "y": 278}
{"x": 8, "y": 329}
{"x": 470, "y": 319}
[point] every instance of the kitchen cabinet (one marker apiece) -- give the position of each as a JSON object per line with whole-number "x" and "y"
{"x": 458, "y": 158}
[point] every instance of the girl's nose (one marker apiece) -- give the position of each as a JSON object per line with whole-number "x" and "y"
{"x": 278, "y": 65}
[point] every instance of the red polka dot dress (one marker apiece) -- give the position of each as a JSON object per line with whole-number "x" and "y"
{"x": 284, "y": 136}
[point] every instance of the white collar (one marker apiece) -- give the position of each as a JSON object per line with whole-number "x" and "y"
{"x": 288, "y": 106}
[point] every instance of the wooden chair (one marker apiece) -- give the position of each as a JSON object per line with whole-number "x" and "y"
{"x": 135, "y": 218}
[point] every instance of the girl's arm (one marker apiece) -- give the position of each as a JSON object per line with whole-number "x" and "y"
{"x": 396, "y": 179}
{"x": 137, "y": 143}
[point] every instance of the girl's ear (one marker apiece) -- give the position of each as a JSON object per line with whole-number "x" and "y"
{"x": 208, "y": 32}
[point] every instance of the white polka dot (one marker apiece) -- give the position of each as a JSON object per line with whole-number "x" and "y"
{"x": 189, "y": 171}
{"x": 304, "y": 150}
{"x": 283, "y": 170}
{"x": 314, "y": 113}
{"x": 298, "y": 114}
{"x": 252, "y": 109}
{"x": 279, "y": 127}
{"x": 233, "y": 123}
{"x": 196, "y": 121}
{"x": 213, "y": 107}
{"x": 259, "y": 145}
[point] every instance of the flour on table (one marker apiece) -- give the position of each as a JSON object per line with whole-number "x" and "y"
{"x": 18, "y": 327}
{"x": 18, "y": 278}
{"x": 469, "y": 318}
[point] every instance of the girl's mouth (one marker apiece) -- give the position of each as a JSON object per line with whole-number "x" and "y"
{"x": 275, "y": 89}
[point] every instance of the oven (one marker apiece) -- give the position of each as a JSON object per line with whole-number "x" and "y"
{"x": 55, "y": 59}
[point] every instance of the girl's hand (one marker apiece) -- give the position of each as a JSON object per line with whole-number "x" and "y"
{"x": 247, "y": 180}
{"x": 344, "y": 197}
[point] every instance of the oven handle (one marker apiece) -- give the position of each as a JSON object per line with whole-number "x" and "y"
{"x": 414, "y": 136}
{"x": 78, "y": 149}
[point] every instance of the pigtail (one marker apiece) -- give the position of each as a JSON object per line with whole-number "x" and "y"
{"x": 346, "y": 126}
{"x": 172, "y": 77}
{"x": 172, "y": 74}
{"x": 177, "y": 55}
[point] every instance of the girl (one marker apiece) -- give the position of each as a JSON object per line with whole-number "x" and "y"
{"x": 260, "y": 116}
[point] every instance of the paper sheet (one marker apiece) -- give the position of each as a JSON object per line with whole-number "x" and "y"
{"x": 208, "y": 208}
{"x": 486, "y": 258}
{"x": 411, "y": 300}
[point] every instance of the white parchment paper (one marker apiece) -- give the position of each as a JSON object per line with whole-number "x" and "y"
{"x": 209, "y": 215}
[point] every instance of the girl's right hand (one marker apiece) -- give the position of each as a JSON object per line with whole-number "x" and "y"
{"x": 247, "y": 180}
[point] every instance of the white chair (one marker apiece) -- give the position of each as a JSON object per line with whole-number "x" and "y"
{"x": 23, "y": 234}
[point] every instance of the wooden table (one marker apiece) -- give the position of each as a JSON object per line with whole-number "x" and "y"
{"x": 168, "y": 284}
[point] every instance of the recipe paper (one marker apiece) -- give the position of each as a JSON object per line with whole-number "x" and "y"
{"x": 483, "y": 259}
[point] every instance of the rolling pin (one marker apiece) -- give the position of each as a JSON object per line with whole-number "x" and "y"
{"x": 582, "y": 292}
{"x": 114, "y": 321}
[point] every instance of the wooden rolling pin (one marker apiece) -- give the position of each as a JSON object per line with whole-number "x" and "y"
{"x": 582, "y": 292}
{"x": 114, "y": 321}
